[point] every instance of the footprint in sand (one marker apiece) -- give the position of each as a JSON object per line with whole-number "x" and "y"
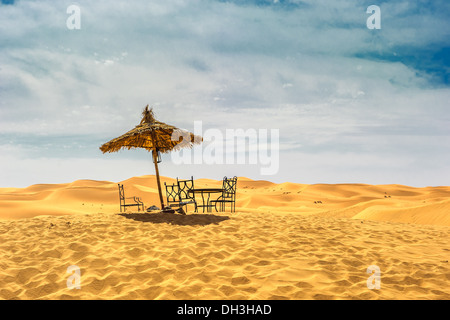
{"x": 135, "y": 252}
{"x": 239, "y": 280}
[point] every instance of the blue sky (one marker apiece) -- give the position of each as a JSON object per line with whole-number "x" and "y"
{"x": 351, "y": 104}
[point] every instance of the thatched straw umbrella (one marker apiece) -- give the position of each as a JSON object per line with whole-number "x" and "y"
{"x": 154, "y": 136}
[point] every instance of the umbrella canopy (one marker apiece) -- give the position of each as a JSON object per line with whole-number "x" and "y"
{"x": 154, "y": 136}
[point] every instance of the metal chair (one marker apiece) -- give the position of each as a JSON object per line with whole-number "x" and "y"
{"x": 137, "y": 201}
{"x": 228, "y": 195}
{"x": 186, "y": 197}
{"x": 178, "y": 195}
{"x": 172, "y": 195}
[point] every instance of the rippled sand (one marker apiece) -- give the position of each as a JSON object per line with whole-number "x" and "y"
{"x": 282, "y": 243}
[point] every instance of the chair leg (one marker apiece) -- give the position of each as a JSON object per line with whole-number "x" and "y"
{"x": 181, "y": 211}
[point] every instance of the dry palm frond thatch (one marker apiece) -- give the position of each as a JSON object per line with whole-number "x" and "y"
{"x": 154, "y": 136}
{"x": 151, "y": 133}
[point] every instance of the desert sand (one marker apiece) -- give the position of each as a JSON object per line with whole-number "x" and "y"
{"x": 285, "y": 241}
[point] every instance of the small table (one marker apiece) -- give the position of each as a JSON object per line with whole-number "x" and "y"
{"x": 204, "y": 191}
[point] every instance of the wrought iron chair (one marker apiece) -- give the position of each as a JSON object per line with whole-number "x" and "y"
{"x": 137, "y": 201}
{"x": 172, "y": 195}
{"x": 178, "y": 196}
{"x": 187, "y": 197}
{"x": 228, "y": 195}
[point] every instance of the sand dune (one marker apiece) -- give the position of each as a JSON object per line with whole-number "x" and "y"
{"x": 373, "y": 202}
{"x": 286, "y": 241}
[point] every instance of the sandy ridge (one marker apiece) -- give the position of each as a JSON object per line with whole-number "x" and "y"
{"x": 360, "y": 201}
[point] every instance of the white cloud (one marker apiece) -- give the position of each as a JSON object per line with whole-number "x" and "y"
{"x": 230, "y": 66}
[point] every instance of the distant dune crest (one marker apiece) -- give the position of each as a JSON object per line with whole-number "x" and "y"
{"x": 393, "y": 203}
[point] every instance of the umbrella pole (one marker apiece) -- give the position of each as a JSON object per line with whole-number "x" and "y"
{"x": 157, "y": 178}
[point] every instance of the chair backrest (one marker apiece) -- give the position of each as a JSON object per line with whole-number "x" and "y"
{"x": 121, "y": 192}
{"x": 229, "y": 188}
{"x": 172, "y": 193}
{"x": 184, "y": 187}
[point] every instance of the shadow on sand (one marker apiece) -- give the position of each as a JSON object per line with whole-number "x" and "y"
{"x": 176, "y": 219}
